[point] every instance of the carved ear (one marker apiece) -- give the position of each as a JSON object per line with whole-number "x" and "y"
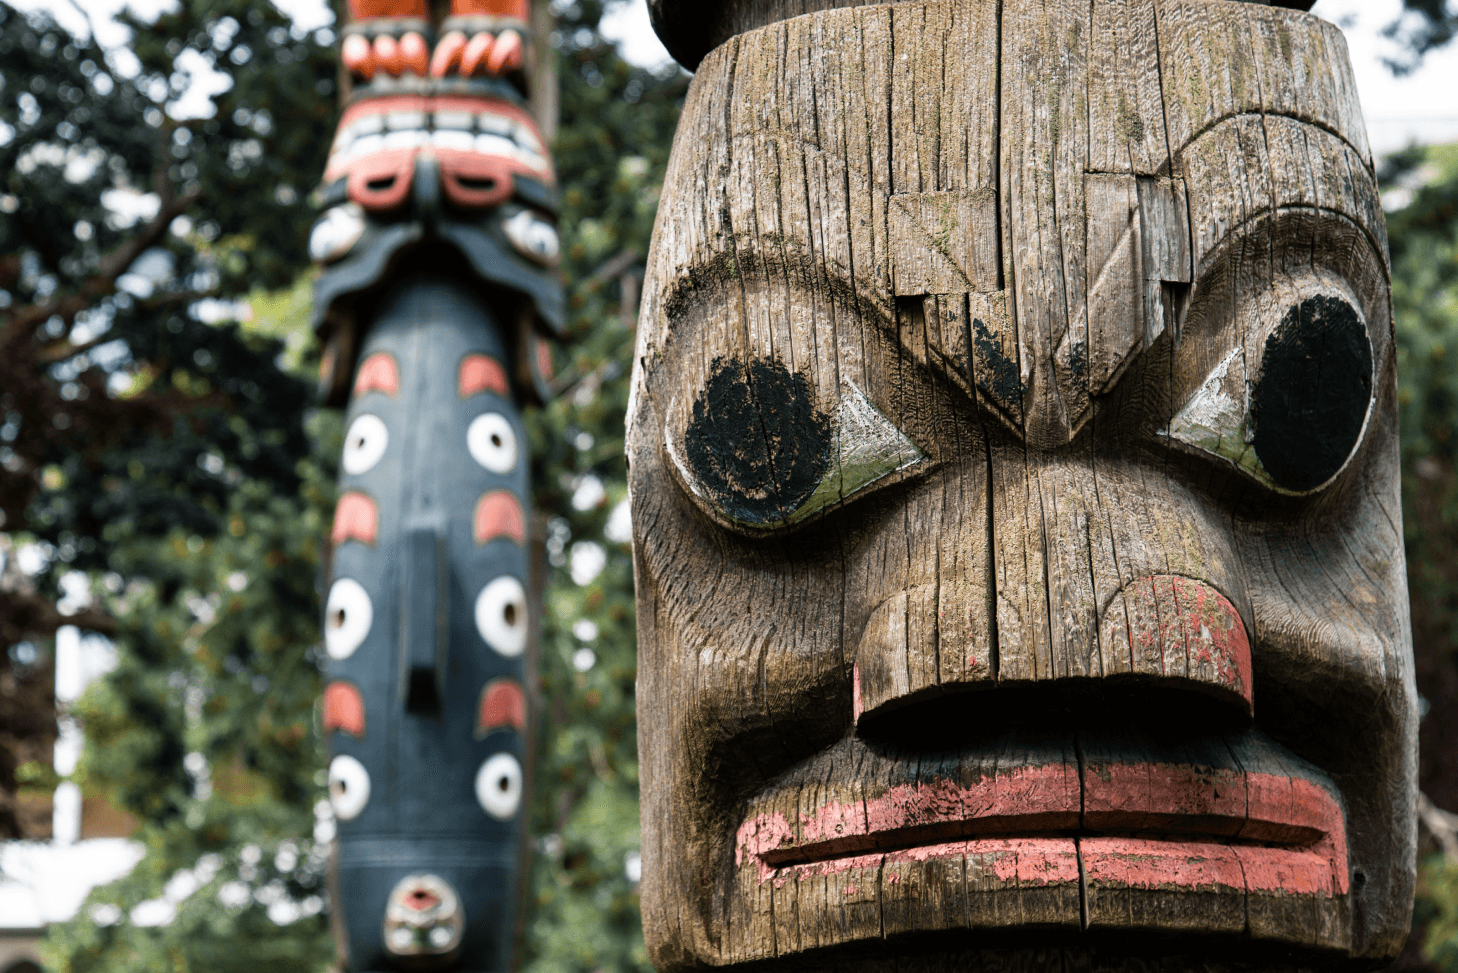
{"x": 1295, "y": 419}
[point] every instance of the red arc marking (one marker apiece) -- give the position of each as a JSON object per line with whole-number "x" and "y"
{"x": 481, "y": 373}
{"x": 502, "y": 704}
{"x": 344, "y": 708}
{"x": 378, "y": 373}
{"x": 356, "y": 518}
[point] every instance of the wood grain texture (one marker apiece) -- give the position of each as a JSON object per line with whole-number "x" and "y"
{"x": 1008, "y": 622}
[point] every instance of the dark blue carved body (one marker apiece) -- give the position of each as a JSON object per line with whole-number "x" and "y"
{"x": 427, "y": 656}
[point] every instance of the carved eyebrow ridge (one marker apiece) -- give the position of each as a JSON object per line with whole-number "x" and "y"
{"x": 799, "y": 267}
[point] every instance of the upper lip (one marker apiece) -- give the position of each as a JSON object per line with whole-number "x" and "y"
{"x": 1226, "y": 789}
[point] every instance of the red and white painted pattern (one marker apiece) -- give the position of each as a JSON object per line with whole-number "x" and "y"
{"x": 480, "y": 143}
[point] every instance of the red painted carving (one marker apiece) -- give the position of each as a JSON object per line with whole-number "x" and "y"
{"x": 502, "y": 705}
{"x": 544, "y": 360}
{"x": 366, "y": 9}
{"x": 379, "y": 176}
{"x": 344, "y": 708}
{"x": 1186, "y": 625}
{"x": 378, "y": 374}
{"x": 481, "y": 373}
{"x": 1300, "y": 826}
{"x": 490, "y": 8}
{"x": 498, "y": 514}
{"x": 356, "y": 518}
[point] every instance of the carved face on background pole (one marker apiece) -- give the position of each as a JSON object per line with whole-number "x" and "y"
{"x": 1015, "y": 495}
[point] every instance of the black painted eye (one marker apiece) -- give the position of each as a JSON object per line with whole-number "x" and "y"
{"x": 759, "y": 451}
{"x": 1310, "y": 404}
{"x": 1295, "y": 419}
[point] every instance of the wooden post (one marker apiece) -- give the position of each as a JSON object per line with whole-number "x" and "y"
{"x": 436, "y": 293}
{"x": 1015, "y": 495}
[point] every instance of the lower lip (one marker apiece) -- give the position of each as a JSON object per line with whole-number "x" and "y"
{"x": 1266, "y": 833}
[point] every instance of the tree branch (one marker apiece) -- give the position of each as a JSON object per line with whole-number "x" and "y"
{"x": 61, "y": 350}
{"x": 113, "y": 265}
{"x": 1441, "y": 824}
{"x": 27, "y": 613}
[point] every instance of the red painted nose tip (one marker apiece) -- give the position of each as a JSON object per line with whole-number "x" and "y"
{"x": 422, "y": 899}
{"x": 1181, "y": 628}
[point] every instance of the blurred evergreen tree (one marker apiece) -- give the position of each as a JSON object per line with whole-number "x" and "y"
{"x": 1422, "y": 223}
{"x": 154, "y": 446}
{"x": 132, "y": 412}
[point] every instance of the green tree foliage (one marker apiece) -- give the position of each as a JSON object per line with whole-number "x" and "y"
{"x": 128, "y": 413}
{"x": 157, "y": 447}
{"x": 1424, "y": 244}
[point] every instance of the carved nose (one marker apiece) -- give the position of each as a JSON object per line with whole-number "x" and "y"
{"x": 1060, "y": 580}
{"x": 1178, "y": 630}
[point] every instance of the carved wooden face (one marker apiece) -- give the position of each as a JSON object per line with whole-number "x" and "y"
{"x": 1015, "y": 496}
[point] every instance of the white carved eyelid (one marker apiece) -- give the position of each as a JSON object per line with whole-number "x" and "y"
{"x": 336, "y": 232}
{"x": 491, "y": 441}
{"x": 501, "y": 616}
{"x": 348, "y": 616}
{"x": 533, "y": 237}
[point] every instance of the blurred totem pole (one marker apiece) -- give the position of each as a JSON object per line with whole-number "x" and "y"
{"x": 436, "y": 294}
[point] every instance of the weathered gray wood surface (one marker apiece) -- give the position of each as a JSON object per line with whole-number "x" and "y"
{"x": 951, "y": 506}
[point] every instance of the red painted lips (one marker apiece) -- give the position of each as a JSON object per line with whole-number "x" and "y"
{"x": 1234, "y": 814}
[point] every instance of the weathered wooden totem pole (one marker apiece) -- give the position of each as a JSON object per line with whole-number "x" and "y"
{"x": 437, "y": 285}
{"x": 1015, "y": 496}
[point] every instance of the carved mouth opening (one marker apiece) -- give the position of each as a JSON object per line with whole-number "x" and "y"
{"x": 1273, "y": 834}
{"x": 476, "y": 185}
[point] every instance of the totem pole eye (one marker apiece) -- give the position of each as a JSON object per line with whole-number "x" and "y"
{"x": 1294, "y": 418}
{"x": 498, "y": 786}
{"x": 349, "y": 787}
{"x": 759, "y": 452}
{"x": 533, "y": 237}
{"x": 492, "y": 442}
{"x": 348, "y": 615}
{"x": 336, "y": 232}
{"x": 501, "y": 616}
{"x": 364, "y": 444}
